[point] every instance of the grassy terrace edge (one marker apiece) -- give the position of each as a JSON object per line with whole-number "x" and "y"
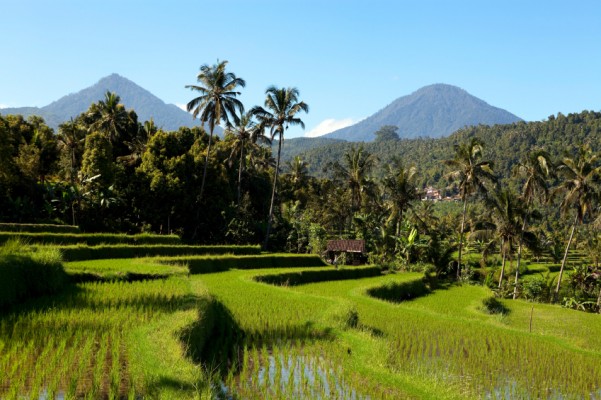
{"x": 91, "y": 239}
{"x": 84, "y": 252}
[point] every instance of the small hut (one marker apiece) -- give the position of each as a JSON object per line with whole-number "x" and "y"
{"x": 354, "y": 250}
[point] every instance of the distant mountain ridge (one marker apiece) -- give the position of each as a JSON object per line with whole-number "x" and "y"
{"x": 432, "y": 111}
{"x": 145, "y": 104}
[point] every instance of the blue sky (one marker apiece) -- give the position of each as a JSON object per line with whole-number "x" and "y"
{"x": 348, "y": 58}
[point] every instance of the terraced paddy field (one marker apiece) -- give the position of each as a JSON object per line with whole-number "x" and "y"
{"x": 279, "y": 326}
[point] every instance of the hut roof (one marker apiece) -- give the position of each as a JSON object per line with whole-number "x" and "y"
{"x": 351, "y": 246}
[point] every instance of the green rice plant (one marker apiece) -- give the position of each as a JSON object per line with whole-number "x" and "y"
{"x": 84, "y": 252}
{"x": 42, "y": 228}
{"x": 210, "y": 264}
{"x": 26, "y": 273}
{"x": 90, "y": 329}
{"x": 90, "y": 239}
{"x": 127, "y": 270}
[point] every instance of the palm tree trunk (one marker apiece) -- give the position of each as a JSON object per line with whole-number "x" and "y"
{"x": 204, "y": 172}
{"x": 72, "y": 185}
{"x": 565, "y": 257}
{"x": 517, "y": 268}
{"x": 240, "y": 172}
{"x": 275, "y": 181}
{"x": 461, "y": 237}
{"x": 502, "y": 263}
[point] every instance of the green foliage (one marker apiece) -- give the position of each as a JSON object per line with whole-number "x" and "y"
{"x": 387, "y": 133}
{"x": 319, "y": 275}
{"x": 27, "y": 273}
{"x": 536, "y": 288}
{"x": 399, "y": 292}
{"x": 492, "y": 305}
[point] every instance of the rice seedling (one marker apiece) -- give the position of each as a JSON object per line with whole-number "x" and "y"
{"x": 80, "y": 342}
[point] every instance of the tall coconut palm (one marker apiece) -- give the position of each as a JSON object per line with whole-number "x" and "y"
{"x": 399, "y": 184}
{"x": 580, "y": 188}
{"x": 355, "y": 170}
{"x": 281, "y": 108}
{"x": 70, "y": 139}
{"x": 217, "y": 102}
{"x": 109, "y": 117}
{"x": 246, "y": 136}
{"x": 535, "y": 169}
{"x": 470, "y": 173}
{"x": 507, "y": 216}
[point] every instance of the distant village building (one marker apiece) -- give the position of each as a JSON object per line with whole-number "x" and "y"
{"x": 432, "y": 194}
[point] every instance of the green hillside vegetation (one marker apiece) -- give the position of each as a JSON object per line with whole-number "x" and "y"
{"x": 281, "y": 326}
{"x": 505, "y": 145}
{"x": 488, "y": 288}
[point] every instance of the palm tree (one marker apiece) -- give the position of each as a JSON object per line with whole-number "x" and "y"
{"x": 70, "y": 139}
{"x": 298, "y": 172}
{"x": 580, "y": 188}
{"x": 535, "y": 168}
{"x": 400, "y": 186}
{"x": 507, "y": 216}
{"x": 358, "y": 164}
{"x": 109, "y": 117}
{"x": 283, "y": 106}
{"x": 246, "y": 134}
{"x": 137, "y": 146}
{"x": 471, "y": 174}
{"x": 217, "y": 102}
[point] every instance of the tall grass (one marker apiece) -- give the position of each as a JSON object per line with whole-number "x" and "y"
{"x": 46, "y": 228}
{"x": 26, "y": 273}
{"x": 220, "y": 263}
{"x": 90, "y": 239}
{"x": 84, "y": 252}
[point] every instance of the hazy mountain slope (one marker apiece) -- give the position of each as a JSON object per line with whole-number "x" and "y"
{"x": 145, "y": 104}
{"x": 432, "y": 111}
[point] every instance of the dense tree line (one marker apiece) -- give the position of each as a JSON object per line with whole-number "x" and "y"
{"x": 531, "y": 186}
{"x": 504, "y": 146}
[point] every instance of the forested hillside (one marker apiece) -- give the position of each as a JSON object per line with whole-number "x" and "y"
{"x": 504, "y": 145}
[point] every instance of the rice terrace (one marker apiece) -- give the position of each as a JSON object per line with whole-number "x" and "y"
{"x": 317, "y": 200}
{"x": 183, "y": 264}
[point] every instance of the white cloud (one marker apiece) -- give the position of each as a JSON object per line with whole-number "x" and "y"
{"x": 4, "y": 106}
{"x": 329, "y": 125}
{"x": 182, "y": 106}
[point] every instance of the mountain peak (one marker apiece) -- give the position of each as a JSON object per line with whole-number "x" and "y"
{"x": 432, "y": 111}
{"x": 145, "y": 104}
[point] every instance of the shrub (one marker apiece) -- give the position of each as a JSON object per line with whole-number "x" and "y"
{"x": 25, "y": 273}
{"x": 303, "y": 277}
{"x": 400, "y": 291}
{"x": 492, "y": 305}
{"x": 346, "y": 315}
